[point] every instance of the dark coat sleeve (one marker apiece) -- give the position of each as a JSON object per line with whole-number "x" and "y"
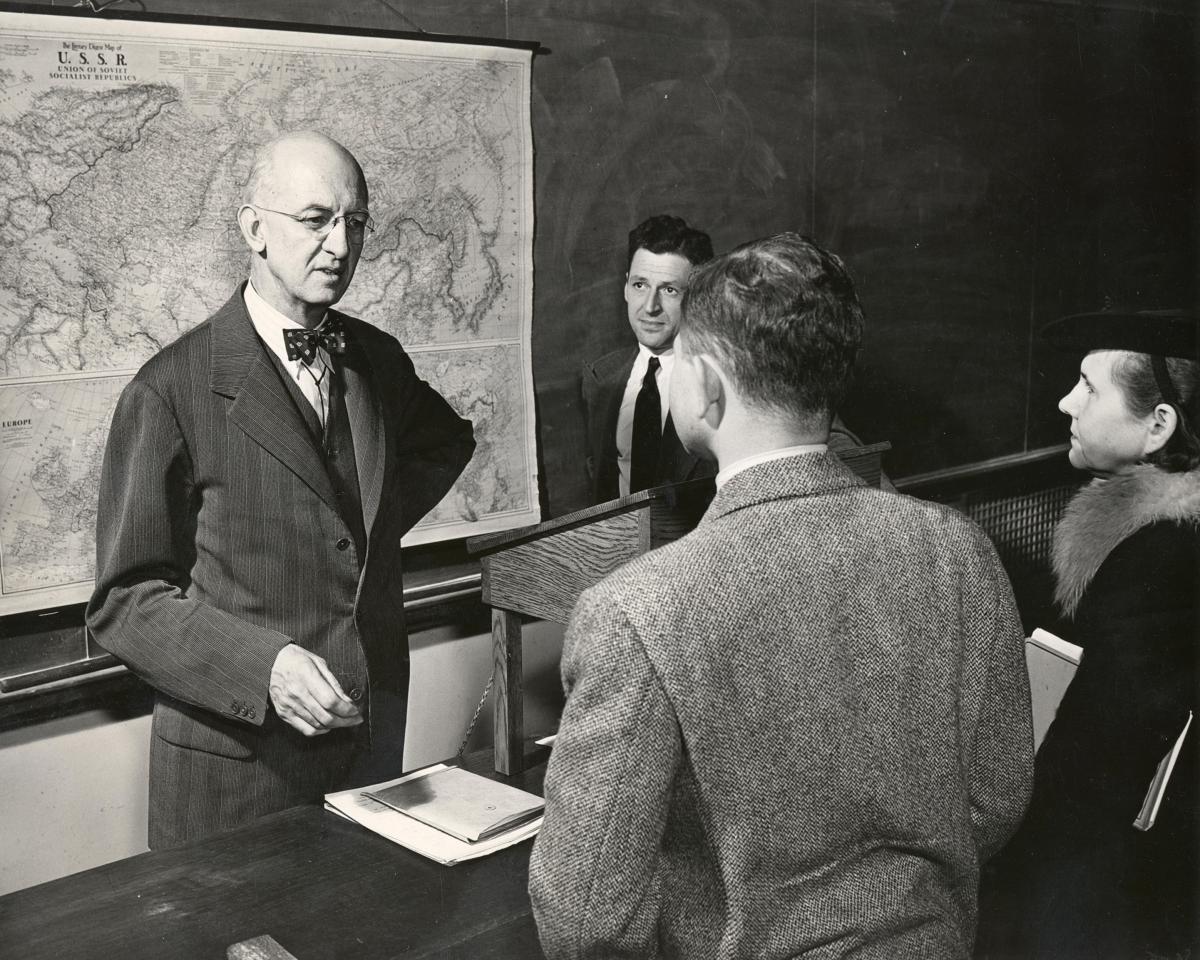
{"x": 140, "y": 610}
{"x": 433, "y": 443}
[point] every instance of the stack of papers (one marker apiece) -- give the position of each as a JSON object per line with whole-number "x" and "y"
{"x": 1052, "y": 662}
{"x": 464, "y": 805}
{"x": 1158, "y": 785}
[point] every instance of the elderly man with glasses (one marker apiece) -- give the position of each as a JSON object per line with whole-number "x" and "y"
{"x": 259, "y": 475}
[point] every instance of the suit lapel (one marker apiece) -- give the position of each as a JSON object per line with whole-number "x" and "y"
{"x": 262, "y": 408}
{"x": 366, "y": 426}
{"x": 610, "y": 373}
{"x": 614, "y": 385}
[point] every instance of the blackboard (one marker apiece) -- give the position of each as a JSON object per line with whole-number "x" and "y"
{"x": 981, "y": 165}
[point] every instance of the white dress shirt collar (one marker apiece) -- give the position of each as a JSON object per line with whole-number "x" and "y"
{"x": 666, "y": 361}
{"x": 269, "y": 324}
{"x": 753, "y": 461}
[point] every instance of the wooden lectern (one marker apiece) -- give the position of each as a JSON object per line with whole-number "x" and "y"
{"x": 540, "y": 571}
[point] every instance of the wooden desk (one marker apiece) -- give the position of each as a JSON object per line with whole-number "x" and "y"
{"x": 324, "y": 888}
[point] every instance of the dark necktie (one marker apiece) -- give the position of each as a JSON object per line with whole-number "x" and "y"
{"x": 302, "y": 343}
{"x": 340, "y": 460}
{"x": 647, "y": 432}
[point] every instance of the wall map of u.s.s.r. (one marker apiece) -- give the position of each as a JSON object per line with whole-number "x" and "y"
{"x": 123, "y": 149}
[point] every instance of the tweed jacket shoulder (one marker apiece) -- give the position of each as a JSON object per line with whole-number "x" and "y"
{"x": 794, "y": 732}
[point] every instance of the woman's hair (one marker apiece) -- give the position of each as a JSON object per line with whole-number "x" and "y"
{"x": 1134, "y": 374}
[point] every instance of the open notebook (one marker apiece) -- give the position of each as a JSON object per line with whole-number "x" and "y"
{"x": 453, "y": 805}
{"x": 460, "y": 803}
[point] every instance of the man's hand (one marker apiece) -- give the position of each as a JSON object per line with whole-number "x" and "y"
{"x": 307, "y": 696}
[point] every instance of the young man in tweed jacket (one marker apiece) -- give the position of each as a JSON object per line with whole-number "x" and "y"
{"x": 799, "y": 730}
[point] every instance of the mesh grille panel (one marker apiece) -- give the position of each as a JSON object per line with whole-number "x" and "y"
{"x": 1022, "y": 525}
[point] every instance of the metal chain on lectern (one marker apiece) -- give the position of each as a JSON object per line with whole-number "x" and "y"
{"x": 475, "y": 719}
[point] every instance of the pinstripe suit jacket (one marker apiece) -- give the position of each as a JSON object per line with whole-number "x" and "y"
{"x": 794, "y": 732}
{"x": 219, "y": 541}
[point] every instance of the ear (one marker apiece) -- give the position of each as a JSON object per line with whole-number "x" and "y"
{"x": 712, "y": 381}
{"x": 625, "y": 287}
{"x": 251, "y": 224}
{"x": 1163, "y": 421}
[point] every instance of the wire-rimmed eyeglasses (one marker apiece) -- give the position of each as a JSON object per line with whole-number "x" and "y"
{"x": 320, "y": 222}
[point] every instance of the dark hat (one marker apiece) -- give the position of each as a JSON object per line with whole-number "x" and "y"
{"x": 1163, "y": 333}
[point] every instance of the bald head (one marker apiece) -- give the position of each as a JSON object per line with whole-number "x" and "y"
{"x": 278, "y": 161}
{"x": 294, "y": 220}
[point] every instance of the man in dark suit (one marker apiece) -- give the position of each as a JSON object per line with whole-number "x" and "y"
{"x": 631, "y": 437}
{"x": 259, "y": 475}
{"x": 798, "y": 730}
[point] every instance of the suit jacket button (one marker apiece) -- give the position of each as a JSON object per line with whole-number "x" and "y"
{"x": 343, "y": 543}
{"x": 251, "y": 713}
{"x": 355, "y": 692}
{"x": 235, "y": 707}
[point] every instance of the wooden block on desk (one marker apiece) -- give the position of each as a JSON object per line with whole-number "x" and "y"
{"x": 265, "y": 947}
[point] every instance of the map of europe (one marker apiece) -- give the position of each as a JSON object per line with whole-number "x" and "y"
{"x": 123, "y": 150}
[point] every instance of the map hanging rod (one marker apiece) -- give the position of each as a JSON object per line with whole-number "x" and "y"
{"x": 140, "y": 13}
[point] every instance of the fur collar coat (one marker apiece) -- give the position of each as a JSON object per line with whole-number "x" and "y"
{"x": 1106, "y": 512}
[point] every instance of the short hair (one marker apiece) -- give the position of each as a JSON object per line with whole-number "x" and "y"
{"x": 783, "y": 315}
{"x": 260, "y": 171}
{"x": 666, "y": 234}
{"x": 1133, "y": 373}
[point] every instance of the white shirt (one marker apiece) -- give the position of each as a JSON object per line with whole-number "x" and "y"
{"x": 269, "y": 323}
{"x": 633, "y": 385}
{"x": 753, "y": 461}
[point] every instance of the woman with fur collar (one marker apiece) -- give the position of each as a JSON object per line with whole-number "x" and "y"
{"x": 1078, "y": 879}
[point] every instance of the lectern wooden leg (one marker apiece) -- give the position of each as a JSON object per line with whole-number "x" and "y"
{"x": 509, "y": 707}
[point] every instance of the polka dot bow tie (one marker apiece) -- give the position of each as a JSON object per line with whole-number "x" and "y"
{"x": 302, "y": 344}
